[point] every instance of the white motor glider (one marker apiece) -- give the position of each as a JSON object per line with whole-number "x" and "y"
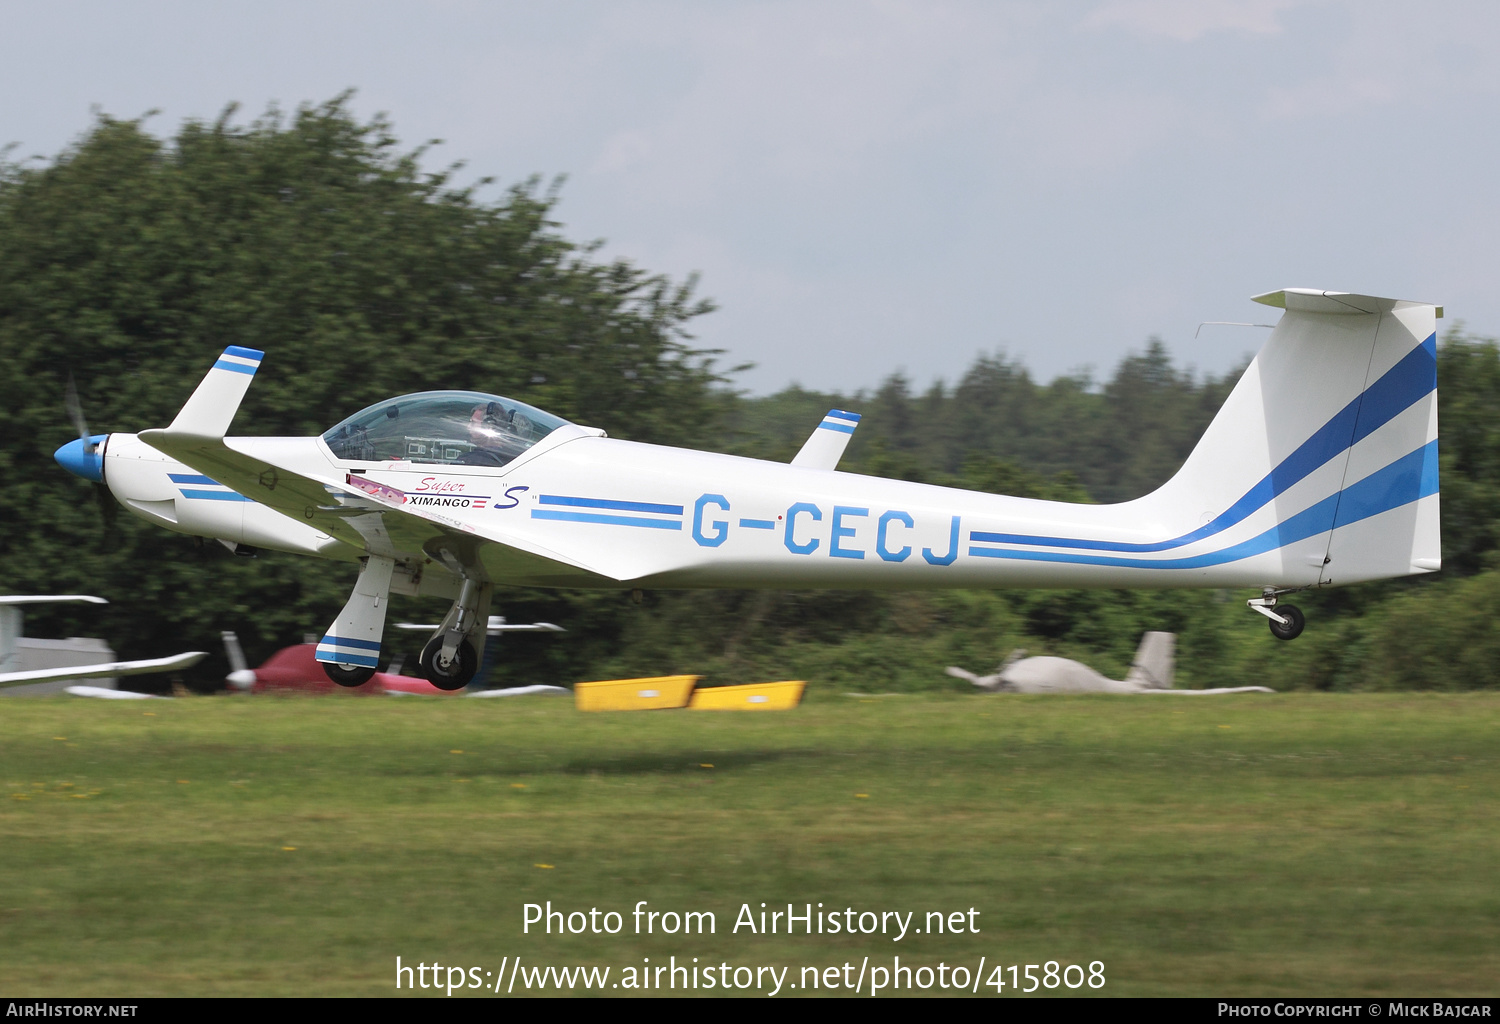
{"x": 1321, "y": 468}
{"x": 10, "y": 637}
{"x": 1151, "y": 672}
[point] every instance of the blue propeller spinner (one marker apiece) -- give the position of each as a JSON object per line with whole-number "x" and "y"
{"x": 83, "y": 457}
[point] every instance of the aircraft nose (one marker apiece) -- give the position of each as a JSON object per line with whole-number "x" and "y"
{"x": 87, "y": 464}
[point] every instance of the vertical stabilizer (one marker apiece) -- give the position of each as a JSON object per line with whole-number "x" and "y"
{"x": 1154, "y": 664}
{"x": 1321, "y": 466}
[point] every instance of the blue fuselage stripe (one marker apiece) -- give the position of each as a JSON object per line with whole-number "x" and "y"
{"x": 213, "y": 495}
{"x": 1402, "y": 386}
{"x": 594, "y": 517}
{"x": 1409, "y": 478}
{"x": 192, "y": 478}
{"x": 610, "y": 503}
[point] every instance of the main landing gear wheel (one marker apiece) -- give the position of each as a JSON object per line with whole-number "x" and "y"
{"x": 456, "y": 674}
{"x": 1294, "y": 622}
{"x": 348, "y": 675}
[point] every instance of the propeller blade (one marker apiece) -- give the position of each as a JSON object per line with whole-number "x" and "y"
{"x": 241, "y": 676}
{"x": 102, "y": 496}
{"x": 108, "y": 508}
{"x": 233, "y": 650}
{"x": 75, "y": 413}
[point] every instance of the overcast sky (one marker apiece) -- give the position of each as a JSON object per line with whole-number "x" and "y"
{"x": 880, "y": 186}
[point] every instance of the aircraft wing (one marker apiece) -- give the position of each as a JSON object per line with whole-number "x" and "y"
{"x": 113, "y": 668}
{"x": 48, "y": 598}
{"x": 359, "y": 512}
{"x": 369, "y": 516}
{"x": 494, "y": 627}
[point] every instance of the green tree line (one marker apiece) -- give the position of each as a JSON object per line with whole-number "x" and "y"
{"x": 129, "y": 260}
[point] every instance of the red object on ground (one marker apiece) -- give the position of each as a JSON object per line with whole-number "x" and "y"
{"x": 296, "y": 670}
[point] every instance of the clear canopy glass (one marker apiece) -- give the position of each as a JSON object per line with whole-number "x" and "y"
{"x": 461, "y": 428}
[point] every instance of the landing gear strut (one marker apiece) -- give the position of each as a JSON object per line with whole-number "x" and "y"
{"x": 1286, "y": 620}
{"x": 350, "y": 650}
{"x": 450, "y": 658}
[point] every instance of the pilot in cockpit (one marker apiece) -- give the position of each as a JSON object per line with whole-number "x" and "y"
{"x": 498, "y": 435}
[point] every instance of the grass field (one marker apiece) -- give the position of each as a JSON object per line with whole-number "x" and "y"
{"x": 1255, "y": 845}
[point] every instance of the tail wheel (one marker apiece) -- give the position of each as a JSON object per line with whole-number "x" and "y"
{"x": 456, "y": 674}
{"x": 1292, "y": 628}
{"x": 348, "y": 675}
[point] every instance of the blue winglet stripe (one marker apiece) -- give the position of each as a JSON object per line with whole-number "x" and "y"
{"x": 1399, "y": 388}
{"x": 841, "y": 428}
{"x": 224, "y": 364}
{"x": 840, "y": 414}
{"x": 595, "y": 517}
{"x": 619, "y": 506}
{"x": 245, "y": 353}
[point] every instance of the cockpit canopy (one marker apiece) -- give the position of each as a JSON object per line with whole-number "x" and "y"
{"x": 461, "y": 428}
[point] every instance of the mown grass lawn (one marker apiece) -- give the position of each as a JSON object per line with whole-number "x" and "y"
{"x": 1246, "y": 845}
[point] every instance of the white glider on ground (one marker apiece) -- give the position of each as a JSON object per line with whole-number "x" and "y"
{"x": 104, "y": 693}
{"x": 10, "y": 634}
{"x": 1320, "y": 469}
{"x": 1151, "y": 672}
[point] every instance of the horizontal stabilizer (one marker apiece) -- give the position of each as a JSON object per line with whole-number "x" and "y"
{"x": 1315, "y": 300}
{"x": 211, "y": 408}
{"x": 826, "y": 445}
